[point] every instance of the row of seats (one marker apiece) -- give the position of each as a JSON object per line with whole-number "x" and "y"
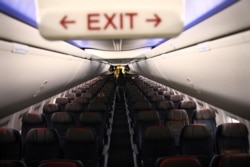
{"x": 242, "y": 160}
{"x": 44, "y": 144}
{"x": 79, "y": 123}
{"x": 162, "y": 129}
{"x": 45, "y": 163}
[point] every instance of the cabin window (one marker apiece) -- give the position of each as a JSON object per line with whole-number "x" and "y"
{"x": 232, "y": 119}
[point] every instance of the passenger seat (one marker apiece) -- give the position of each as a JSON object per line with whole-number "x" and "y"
{"x": 81, "y": 144}
{"x": 232, "y": 138}
{"x": 10, "y": 144}
{"x": 41, "y": 144}
{"x": 178, "y": 161}
{"x": 176, "y": 119}
{"x": 196, "y": 140}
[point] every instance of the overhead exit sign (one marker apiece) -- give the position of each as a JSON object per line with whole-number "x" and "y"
{"x": 109, "y": 19}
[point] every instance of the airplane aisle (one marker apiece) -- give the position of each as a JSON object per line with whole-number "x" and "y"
{"x": 120, "y": 152}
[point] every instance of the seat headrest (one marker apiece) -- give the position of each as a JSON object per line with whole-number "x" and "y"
{"x": 73, "y": 107}
{"x": 82, "y": 100}
{"x": 158, "y": 133}
{"x": 61, "y": 117}
{"x": 177, "y": 115}
{"x": 144, "y": 116}
{"x": 8, "y": 135}
{"x": 165, "y": 105}
{"x": 33, "y": 118}
{"x": 61, "y": 163}
{"x": 176, "y": 98}
{"x": 42, "y": 136}
{"x": 90, "y": 117}
{"x": 62, "y": 100}
{"x": 80, "y": 135}
{"x": 12, "y": 163}
{"x": 188, "y": 105}
{"x": 50, "y": 108}
{"x": 87, "y": 95}
{"x": 180, "y": 162}
{"x": 233, "y": 130}
{"x": 205, "y": 114}
{"x": 97, "y": 107}
{"x": 167, "y": 93}
{"x": 242, "y": 160}
{"x": 156, "y": 98}
{"x": 196, "y": 131}
{"x": 141, "y": 105}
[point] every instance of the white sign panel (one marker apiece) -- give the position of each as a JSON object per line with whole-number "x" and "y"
{"x": 109, "y": 19}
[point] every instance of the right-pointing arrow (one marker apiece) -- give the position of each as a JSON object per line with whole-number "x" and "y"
{"x": 156, "y": 19}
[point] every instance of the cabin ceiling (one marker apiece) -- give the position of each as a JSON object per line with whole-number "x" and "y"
{"x": 195, "y": 11}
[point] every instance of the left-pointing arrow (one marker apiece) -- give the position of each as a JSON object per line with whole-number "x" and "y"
{"x": 64, "y": 22}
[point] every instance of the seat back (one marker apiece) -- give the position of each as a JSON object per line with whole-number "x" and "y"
{"x": 61, "y": 163}
{"x": 176, "y": 119}
{"x": 178, "y": 161}
{"x": 189, "y": 106}
{"x": 163, "y": 107}
{"x": 10, "y": 144}
{"x": 196, "y": 140}
{"x": 144, "y": 120}
{"x": 176, "y": 99}
{"x": 157, "y": 141}
{"x": 61, "y": 121}
{"x": 41, "y": 144}
{"x": 232, "y": 160}
{"x": 207, "y": 117}
{"x": 94, "y": 121}
{"x": 232, "y": 138}
{"x": 62, "y": 101}
{"x": 49, "y": 109}
{"x": 83, "y": 101}
{"x": 81, "y": 144}
{"x": 12, "y": 163}
{"x": 32, "y": 120}
{"x": 75, "y": 110}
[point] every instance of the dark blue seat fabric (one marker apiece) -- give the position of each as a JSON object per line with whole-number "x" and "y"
{"x": 206, "y": 117}
{"x": 10, "y": 144}
{"x": 75, "y": 110}
{"x": 189, "y": 106}
{"x": 176, "y": 99}
{"x": 83, "y": 101}
{"x": 12, "y": 163}
{"x": 197, "y": 140}
{"x": 137, "y": 107}
{"x": 61, "y": 121}
{"x": 49, "y": 109}
{"x": 62, "y": 101}
{"x": 158, "y": 141}
{"x": 144, "y": 120}
{"x": 94, "y": 120}
{"x": 232, "y": 160}
{"x": 232, "y": 138}
{"x": 178, "y": 161}
{"x": 41, "y": 144}
{"x": 176, "y": 119}
{"x": 61, "y": 163}
{"x": 155, "y": 99}
{"x": 163, "y": 107}
{"x": 33, "y": 120}
{"x": 81, "y": 144}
